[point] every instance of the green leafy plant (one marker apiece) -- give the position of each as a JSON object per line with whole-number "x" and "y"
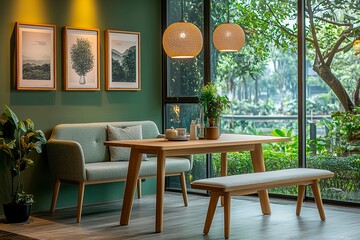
{"x": 214, "y": 104}
{"x": 343, "y": 133}
{"x": 18, "y": 142}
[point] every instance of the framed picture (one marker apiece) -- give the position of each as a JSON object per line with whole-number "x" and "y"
{"x": 122, "y": 60}
{"x": 35, "y": 56}
{"x": 81, "y": 59}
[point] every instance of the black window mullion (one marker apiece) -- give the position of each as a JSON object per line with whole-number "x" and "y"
{"x": 301, "y": 85}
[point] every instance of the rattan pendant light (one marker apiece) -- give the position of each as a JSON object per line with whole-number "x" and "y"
{"x": 228, "y": 37}
{"x": 182, "y": 40}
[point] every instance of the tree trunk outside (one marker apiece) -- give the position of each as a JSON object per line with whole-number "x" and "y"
{"x": 328, "y": 77}
{"x": 357, "y": 93}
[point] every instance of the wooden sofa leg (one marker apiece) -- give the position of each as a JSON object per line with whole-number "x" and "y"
{"x": 183, "y": 188}
{"x": 80, "y": 201}
{"x": 300, "y": 198}
{"x": 214, "y": 197}
{"x": 139, "y": 188}
{"x": 317, "y": 195}
{"x": 227, "y": 202}
{"x": 55, "y": 196}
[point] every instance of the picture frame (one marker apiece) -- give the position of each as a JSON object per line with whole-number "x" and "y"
{"x": 81, "y": 59}
{"x": 122, "y": 60}
{"x": 35, "y": 56}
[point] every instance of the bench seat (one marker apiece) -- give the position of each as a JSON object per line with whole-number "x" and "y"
{"x": 252, "y": 182}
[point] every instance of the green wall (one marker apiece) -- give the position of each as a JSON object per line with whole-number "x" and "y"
{"x": 48, "y": 108}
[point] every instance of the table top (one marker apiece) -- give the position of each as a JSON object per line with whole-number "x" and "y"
{"x": 224, "y": 140}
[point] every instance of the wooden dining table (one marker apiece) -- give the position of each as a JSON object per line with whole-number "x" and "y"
{"x": 164, "y": 148}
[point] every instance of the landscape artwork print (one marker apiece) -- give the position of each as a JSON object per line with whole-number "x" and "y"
{"x": 122, "y": 60}
{"x": 35, "y": 57}
{"x": 82, "y": 59}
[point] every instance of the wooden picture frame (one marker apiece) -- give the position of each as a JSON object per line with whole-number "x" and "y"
{"x": 35, "y": 56}
{"x": 122, "y": 60}
{"x": 81, "y": 59}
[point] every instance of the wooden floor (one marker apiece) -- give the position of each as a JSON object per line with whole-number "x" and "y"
{"x": 247, "y": 222}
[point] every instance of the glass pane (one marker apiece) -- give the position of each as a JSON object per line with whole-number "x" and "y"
{"x": 260, "y": 80}
{"x": 185, "y": 77}
{"x": 198, "y": 171}
{"x": 332, "y": 79}
{"x": 180, "y": 115}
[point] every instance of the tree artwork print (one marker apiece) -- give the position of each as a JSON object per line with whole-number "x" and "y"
{"x": 82, "y": 59}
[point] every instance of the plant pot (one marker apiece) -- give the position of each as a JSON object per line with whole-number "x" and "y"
{"x": 15, "y": 213}
{"x": 212, "y": 133}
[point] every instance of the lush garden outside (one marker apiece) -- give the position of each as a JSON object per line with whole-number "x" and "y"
{"x": 261, "y": 81}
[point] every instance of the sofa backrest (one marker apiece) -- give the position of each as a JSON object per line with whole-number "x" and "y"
{"x": 91, "y": 136}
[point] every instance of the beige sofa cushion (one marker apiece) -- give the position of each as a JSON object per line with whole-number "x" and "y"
{"x": 127, "y": 133}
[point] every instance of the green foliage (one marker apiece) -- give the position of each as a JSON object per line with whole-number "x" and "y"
{"x": 82, "y": 58}
{"x": 345, "y": 185}
{"x": 22, "y": 198}
{"x": 343, "y": 133}
{"x": 18, "y": 141}
{"x": 214, "y": 105}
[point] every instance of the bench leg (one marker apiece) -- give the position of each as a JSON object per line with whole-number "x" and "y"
{"x": 317, "y": 195}
{"x": 183, "y": 188}
{"x": 227, "y": 202}
{"x": 55, "y": 196}
{"x": 80, "y": 201}
{"x": 139, "y": 188}
{"x": 300, "y": 198}
{"x": 214, "y": 197}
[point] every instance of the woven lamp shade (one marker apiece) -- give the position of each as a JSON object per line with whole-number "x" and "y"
{"x": 228, "y": 37}
{"x": 182, "y": 40}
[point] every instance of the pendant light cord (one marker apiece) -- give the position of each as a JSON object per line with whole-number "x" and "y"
{"x": 228, "y": 12}
{"x": 182, "y": 11}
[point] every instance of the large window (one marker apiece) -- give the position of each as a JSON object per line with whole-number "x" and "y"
{"x": 332, "y": 79}
{"x": 260, "y": 80}
{"x": 263, "y": 82}
{"x": 183, "y": 83}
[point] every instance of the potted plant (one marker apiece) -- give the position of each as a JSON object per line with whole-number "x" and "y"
{"x": 213, "y": 105}
{"x": 19, "y": 143}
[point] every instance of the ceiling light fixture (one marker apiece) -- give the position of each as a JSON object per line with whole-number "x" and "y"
{"x": 228, "y": 37}
{"x": 182, "y": 40}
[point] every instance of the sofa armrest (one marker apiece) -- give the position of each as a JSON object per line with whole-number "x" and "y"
{"x": 66, "y": 160}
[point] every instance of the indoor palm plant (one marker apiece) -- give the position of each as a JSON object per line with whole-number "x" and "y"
{"x": 19, "y": 142}
{"x": 213, "y": 105}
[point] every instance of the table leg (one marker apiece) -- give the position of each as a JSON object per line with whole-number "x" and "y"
{"x": 258, "y": 162}
{"x": 131, "y": 180}
{"x": 223, "y": 170}
{"x": 160, "y": 186}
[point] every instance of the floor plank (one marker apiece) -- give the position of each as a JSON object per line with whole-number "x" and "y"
{"x": 247, "y": 222}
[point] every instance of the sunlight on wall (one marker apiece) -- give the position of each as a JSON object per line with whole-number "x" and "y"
{"x": 82, "y": 13}
{"x": 33, "y": 11}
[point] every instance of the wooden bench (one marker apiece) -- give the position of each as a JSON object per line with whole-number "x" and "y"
{"x": 252, "y": 182}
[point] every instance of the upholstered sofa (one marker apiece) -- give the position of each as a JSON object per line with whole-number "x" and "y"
{"x": 77, "y": 154}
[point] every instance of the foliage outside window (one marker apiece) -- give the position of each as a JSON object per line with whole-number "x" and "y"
{"x": 261, "y": 81}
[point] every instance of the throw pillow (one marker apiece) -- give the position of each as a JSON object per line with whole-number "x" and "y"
{"x": 127, "y": 133}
